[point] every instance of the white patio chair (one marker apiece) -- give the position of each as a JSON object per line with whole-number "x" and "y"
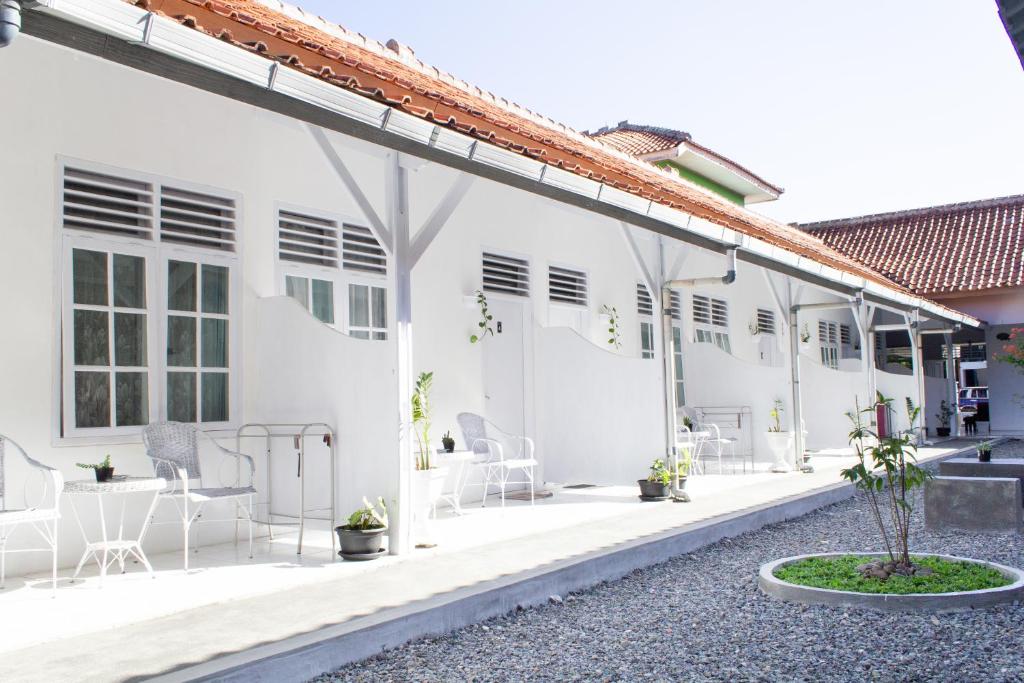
{"x": 497, "y": 469}
{"x": 174, "y": 449}
{"x": 44, "y": 516}
{"x": 693, "y": 441}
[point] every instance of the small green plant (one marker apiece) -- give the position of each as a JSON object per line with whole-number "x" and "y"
{"x": 659, "y": 473}
{"x": 687, "y": 422}
{"x": 684, "y": 463}
{"x": 101, "y": 466}
{"x": 984, "y": 447}
{"x": 614, "y": 337}
{"x": 485, "y": 319}
{"x": 887, "y": 473}
{"x": 776, "y": 415}
{"x": 369, "y": 517}
{"x": 805, "y": 335}
{"x": 421, "y": 413}
{"x": 944, "y": 415}
{"x": 448, "y": 442}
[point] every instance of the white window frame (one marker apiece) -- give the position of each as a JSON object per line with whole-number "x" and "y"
{"x": 156, "y": 253}
{"x": 829, "y": 346}
{"x": 712, "y": 332}
{"x": 370, "y": 329}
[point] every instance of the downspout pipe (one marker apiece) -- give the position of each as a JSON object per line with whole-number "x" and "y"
{"x": 671, "y": 423}
{"x": 794, "y": 352}
{"x": 10, "y": 21}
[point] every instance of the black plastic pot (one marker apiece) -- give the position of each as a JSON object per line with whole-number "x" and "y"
{"x": 104, "y": 473}
{"x": 360, "y": 541}
{"x": 653, "y": 489}
{"x": 942, "y": 431}
{"x": 449, "y": 446}
{"x": 984, "y": 456}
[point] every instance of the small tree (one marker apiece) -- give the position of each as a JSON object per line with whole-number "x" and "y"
{"x": 887, "y": 472}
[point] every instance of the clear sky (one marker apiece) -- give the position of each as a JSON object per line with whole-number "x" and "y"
{"x": 853, "y": 107}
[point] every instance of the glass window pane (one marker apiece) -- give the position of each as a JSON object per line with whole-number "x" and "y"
{"x": 215, "y": 289}
{"x": 298, "y": 289}
{"x": 131, "y": 399}
{"x": 215, "y": 343}
{"x": 358, "y": 306}
{"x": 380, "y": 336}
{"x": 360, "y": 334}
{"x": 215, "y": 397}
{"x": 90, "y": 277}
{"x": 680, "y": 394}
{"x": 323, "y": 301}
{"x": 129, "y": 281}
{"x": 92, "y": 399}
{"x": 181, "y": 396}
{"x": 181, "y": 286}
{"x": 181, "y": 341}
{"x": 92, "y": 338}
{"x": 380, "y": 310}
{"x": 130, "y": 340}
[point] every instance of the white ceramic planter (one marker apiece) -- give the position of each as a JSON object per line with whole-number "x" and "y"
{"x": 781, "y": 446}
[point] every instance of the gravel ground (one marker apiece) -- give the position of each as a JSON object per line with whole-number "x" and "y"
{"x": 701, "y": 617}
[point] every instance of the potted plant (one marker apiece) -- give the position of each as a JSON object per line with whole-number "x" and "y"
{"x": 805, "y": 337}
{"x": 943, "y": 416}
{"x": 657, "y": 484}
{"x": 360, "y": 539}
{"x": 428, "y": 479}
{"x": 779, "y": 442}
{"x": 755, "y": 331}
{"x": 447, "y": 442}
{"x": 104, "y": 470}
{"x": 985, "y": 451}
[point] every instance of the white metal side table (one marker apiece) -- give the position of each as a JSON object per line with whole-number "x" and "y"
{"x": 109, "y": 550}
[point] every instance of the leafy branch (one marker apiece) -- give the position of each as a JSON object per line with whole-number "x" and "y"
{"x": 485, "y": 319}
{"x": 614, "y": 337}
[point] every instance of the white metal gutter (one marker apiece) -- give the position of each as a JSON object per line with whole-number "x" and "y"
{"x": 136, "y": 25}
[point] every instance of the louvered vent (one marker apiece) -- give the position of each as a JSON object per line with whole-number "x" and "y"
{"x": 360, "y": 250}
{"x": 307, "y": 239}
{"x": 506, "y": 275}
{"x": 567, "y": 286}
{"x": 707, "y": 311}
{"x": 201, "y": 220}
{"x": 827, "y": 332}
{"x": 765, "y": 321}
{"x": 675, "y": 305}
{"x": 844, "y": 335}
{"x": 644, "y": 302}
{"x": 719, "y": 313}
{"x": 106, "y": 203}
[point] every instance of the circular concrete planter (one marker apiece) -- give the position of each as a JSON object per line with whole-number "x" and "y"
{"x": 921, "y": 602}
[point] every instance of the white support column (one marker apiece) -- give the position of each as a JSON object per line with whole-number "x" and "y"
{"x": 398, "y": 216}
{"x": 917, "y": 352}
{"x": 867, "y": 345}
{"x": 793, "y": 313}
{"x": 954, "y": 425}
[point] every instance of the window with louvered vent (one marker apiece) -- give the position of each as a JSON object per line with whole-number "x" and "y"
{"x": 844, "y": 335}
{"x": 307, "y": 239}
{"x": 711, "y": 321}
{"x": 197, "y": 219}
{"x": 567, "y": 286}
{"x": 644, "y": 302}
{"x": 828, "y": 342}
{"x": 675, "y": 305}
{"x": 765, "y": 321}
{"x": 107, "y": 203}
{"x": 360, "y": 250}
{"x": 506, "y": 274}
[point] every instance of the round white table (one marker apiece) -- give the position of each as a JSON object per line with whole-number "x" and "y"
{"x": 108, "y": 550}
{"x": 461, "y": 460}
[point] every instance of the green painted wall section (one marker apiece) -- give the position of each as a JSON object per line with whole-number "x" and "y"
{"x": 698, "y": 179}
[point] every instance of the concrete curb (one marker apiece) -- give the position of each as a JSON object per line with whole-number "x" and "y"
{"x": 921, "y": 602}
{"x": 308, "y": 655}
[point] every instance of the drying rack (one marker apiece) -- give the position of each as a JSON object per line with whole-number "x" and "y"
{"x": 298, "y": 432}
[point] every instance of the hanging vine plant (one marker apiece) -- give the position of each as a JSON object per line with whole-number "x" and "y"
{"x": 614, "y": 337}
{"x": 485, "y": 319}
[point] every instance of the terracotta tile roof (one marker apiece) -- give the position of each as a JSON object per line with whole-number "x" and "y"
{"x": 638, "y": 140}
{"x": 965, "y": 247}
{"x": 392, "y": 75}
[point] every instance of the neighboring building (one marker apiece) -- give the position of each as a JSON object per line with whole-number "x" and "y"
{"x": 233, "y": 212}
{"x": 676, "y": 151}
{"x": 968, "y": 256}
{"x": 1012, "y": 14}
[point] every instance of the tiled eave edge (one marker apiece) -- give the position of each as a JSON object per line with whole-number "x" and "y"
{"x": 138, "y": 26}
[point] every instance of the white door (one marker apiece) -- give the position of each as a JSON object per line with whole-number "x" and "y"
{"x": 504, "y": 367}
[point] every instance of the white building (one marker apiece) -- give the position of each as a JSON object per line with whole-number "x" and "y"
{"x": 235, "y": 213}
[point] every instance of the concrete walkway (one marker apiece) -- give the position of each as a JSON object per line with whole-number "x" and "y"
{"x": 301, "y": 631}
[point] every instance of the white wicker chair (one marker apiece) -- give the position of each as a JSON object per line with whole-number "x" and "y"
{"x": 44, "y": 516}
{"x": 478, "y": 434}
{"x": 174, "y": 449}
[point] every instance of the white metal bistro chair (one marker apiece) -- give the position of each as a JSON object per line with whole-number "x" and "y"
{"x": 174, "y": 449}
{"x": 692, "y": 441}
{"x": 484, "y": 438}
{"x": 43, "y": 516}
